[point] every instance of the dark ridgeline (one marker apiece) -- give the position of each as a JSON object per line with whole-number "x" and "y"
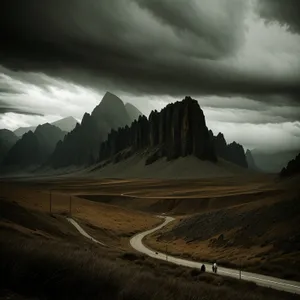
{"x": 81, "y": 146}
{"x": 292, "y": 168}
{"x": 34, "y": 148}
{"x": 178, "y": 130}
{"x": 7, "y": 140}
{"x": 232, "y": 152}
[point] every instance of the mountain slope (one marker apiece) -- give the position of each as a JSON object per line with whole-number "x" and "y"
{"x": 81, "y": 146}
{"x": 66, "y": 124}
{"x": 132, "y": 111}
{"x": 34, "y": 148}
{"x": 178, "y": 130}
{"x": 292, "y": 168}
{"x": 272, "y": 162}
{"x": 250, "y": 161}
{"x": 7, "y": 140}
{"x": 22, "y": 130}
{"x": 232, "y": 152}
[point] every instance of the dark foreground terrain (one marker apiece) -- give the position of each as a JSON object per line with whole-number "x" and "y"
{"x": 43, "y": 257}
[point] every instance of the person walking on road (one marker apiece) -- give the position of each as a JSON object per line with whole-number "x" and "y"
{"x": 215, "y": 267}
{"x": 203, "y": 268}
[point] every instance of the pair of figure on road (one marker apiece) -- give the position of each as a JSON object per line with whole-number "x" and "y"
{"x": 214, "y": 268}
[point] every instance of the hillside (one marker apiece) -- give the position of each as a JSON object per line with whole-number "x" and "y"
{"x": 81, "y": 146}
{"x": 272, "y": 162}
{"x": 292, "y": 168}
{"x": 136, "y": 166}
{"x": 7, "y": 140}
{"x": 250, "y": 161}
{"x": 66, "y": 124}
{"x": 34, "y": 148}
{"x": 263, "y": 235}
{"x": 132, "y": 111}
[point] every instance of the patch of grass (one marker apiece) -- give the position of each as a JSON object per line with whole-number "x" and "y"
{"x": 59, "y": 270}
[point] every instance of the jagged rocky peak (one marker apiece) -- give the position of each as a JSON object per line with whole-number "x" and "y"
{"x": 81, "y": 146}
{"x": 177, "y": 130}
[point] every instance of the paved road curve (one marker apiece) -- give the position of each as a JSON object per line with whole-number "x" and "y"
{"x": 262, "y": 280}
{"x": 83, "y": 232}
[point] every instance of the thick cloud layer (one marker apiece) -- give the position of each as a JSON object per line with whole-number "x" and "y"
{"x": 286, "y": 12}
{"x": 240, "y": 59}
{"x": 157, "y": 47}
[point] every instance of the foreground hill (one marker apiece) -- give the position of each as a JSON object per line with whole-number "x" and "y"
{"x": 7, "y": 140}
{"x": 81, "y": 146}
{"x": 34, "y": 148}
{"x": 66, "y": 124}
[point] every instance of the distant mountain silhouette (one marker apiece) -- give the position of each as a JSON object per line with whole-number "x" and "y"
{"x": 250, "y": 161}
{"x": 34, "y": 148}
{"x": 7, "y": 140}
{"x": 272, "y": 162}
{"x": 232, "y": 152}
{"x": 81, "y": 146}
{"x": 178, "y": 130}
{"x": 292, "y": 168}
{"x": 22, "y": 130}
{"x": 132, "y": 111}
{"x": 66, "y": 124}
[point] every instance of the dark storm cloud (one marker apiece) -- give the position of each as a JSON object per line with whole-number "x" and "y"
{"x": 286, "y": 12}
{"x": 155, "y": 47}
{"x": 7, "y": 108}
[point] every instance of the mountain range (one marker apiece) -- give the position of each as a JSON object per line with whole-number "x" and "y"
{"x": 33, "y": 148}
{"x": 87, "y": 137}
{"x": 7, "y": 140}
{"x": 114, "y": 132}
{"x": 66, "y": 124}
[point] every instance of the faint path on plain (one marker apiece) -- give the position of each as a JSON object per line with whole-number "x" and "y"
{"x": 83, "y": 232}
{"x": 267, "y": 281}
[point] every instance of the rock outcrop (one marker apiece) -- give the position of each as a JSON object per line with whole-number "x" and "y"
{"x": 232, "y": 152}
{"x": 7, "y": 140}
{"x": 81, "y": 146}
{"x": 178, "y": 130}
{"x": 34, "y": 148}
{"x": 292, "y": 168}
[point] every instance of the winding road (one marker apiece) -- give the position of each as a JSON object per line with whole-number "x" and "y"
{"x": 137, "y": 243}
{"x": 267, "y": 281}
{"x": 84, "y": 233}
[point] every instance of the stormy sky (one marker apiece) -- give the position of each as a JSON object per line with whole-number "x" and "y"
{"x": 240, "y": 59}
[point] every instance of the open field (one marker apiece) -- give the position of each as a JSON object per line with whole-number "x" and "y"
{"x": 113, "y": 210}
{"x": 40, "y": 262}
{"x": 259, "y": 236}
{"x": 158, "y": 196}
{"x": 111, "y": 224}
